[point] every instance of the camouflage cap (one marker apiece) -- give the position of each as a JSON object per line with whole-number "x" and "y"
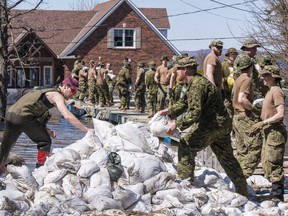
{"x": 264, "y": 60}
{"x": 231, "y": 50}
{"x": 101, "y": 63}
{"x": 140, "y": 64}
{"x": 217, "y": 43}
{"x": 184, "y": 55}
{"x": 273, "y": 70}
{"x": 186, "y": 62}
{"x": 152, "y": 64}
{"x": 250, "y": 43}
{"x": 92, "y": 62}
{"x": 164, "y": 58}
{"x": 243, "y": 61}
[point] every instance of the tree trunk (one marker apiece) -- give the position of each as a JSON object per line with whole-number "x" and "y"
{"x": 3, "y": 57}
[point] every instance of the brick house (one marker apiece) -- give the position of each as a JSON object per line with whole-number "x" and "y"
{"x": 113, "y": 30}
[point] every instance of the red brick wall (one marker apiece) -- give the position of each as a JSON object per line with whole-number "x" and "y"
{"x": 152, "y": 47}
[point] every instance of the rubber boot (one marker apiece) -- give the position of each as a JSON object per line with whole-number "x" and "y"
{"x": 150, "y": 113}
{"x": 242, "y": 190}
{"x": 41, "y": 158}
{"x": 277, "y": 191}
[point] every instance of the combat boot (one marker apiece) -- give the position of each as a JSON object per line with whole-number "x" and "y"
{"x": 150, "y": 113}
{"x": 242, "y": 190}
{"x": 277, "y": 191}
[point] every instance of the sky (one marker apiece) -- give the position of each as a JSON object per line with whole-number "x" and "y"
{"x": 193, "y": 23}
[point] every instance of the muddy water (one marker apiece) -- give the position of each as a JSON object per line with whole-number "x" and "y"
{"x": 65, "y": 132}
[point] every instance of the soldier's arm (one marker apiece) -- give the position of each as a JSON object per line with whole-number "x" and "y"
{"x": 172, "y": 80}
{"x": 157, "y": 75}
{"x": 210, "y": 73}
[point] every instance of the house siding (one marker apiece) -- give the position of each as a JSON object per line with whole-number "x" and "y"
{"x": 152, "y": 46}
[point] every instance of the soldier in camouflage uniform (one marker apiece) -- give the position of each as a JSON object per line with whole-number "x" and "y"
{"x": 227, "y": 69}
{"x": 92, "y": 89}
{"x": 110, "y": 82}
{"x": 123, "y": 82}
{"x": 273, "y": 131}
{"x": 203, "y": 108}
{"x": 83, "y": 85}
{"x": 248, "y": 146}
{"x": 151, "y": 89}
{"x": 77, "y": 66}
{"x": 262, "y": 61}
{"x": 102, "y": 87}
{"x": 140, "y": 89}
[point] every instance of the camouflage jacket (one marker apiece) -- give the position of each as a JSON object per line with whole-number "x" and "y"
{"x": 202, "y": 103}
{"x": 124, "y": 77}
{"x": 151, "y": 85}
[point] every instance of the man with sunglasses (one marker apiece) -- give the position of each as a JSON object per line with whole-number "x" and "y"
{"x": 30, "y": 115}
{"x": 212, "y": 65}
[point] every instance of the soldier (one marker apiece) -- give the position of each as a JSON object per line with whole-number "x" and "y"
{"x": 248, "y": 146}
{"x": 262, "y": 61}
{"x": 110, "y": 82}
{"x": 212, "y": 66}
{"x": 176, "y": 83}
{"x": 102, "y": 87}
{"x": 151, "y": 89}
{"x": 123, "y": 82}
{"x": 140, "y": 89}
{"x": 77, "y": 66}
{"x": 92, "y": 88}
{"x": 162, "y": 78}
{"x": 203, "y": 108}
{"x": 227, "y": 71}
{"x": 273, "y": 130}
{"x": 83, "y": 85}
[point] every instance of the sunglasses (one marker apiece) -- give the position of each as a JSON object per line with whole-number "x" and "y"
{"x": 265, "y": 75}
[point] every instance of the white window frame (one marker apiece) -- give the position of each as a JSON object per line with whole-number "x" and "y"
{"x": 45, "y": 82}
{"x": 37, "y": 69}
{"x": 123, "y": 38}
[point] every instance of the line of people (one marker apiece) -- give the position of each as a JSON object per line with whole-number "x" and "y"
{"x": 242, "y": 95}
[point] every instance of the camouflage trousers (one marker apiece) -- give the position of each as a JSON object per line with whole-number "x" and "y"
{"x": 139, "y": 97}
{"x": 111, "y": 86}
{"x": 82, "y": 90}
{"x": 92, "y": 89}
{"x": 229, "y": 106}
{"x": 248, "y": 146}
{"x": 123, "y": 95}
{"x": 103, "y": 92}
{"x": 162, "y": 99}
{"x": 198, "y": 138}
{"x": 151, "y": 100}
{"x": 272, "y": 158}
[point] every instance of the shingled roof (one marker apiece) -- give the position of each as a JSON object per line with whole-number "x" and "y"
{"x": 62, "y": 29}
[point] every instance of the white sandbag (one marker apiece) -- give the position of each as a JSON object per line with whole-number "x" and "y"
{"x": 125, "y": 197}
{"x": 161, "y": 194}
{"x": 137, "y": 188}
{"x": 13, "y": 205}
{"x": 250, "y": 206}
{"x": 258, "y": 181}
{"x": 103, "y": 203}
{"x": 221, "y": 197}
{"x": 117, "y": 143}
{"x": 208, "y": 177}
{"x": 39, "y": 209}
{"x": 164, "y": 153}
{"x": 101, "y": 191}
{"x": 11, "y": 191}
{"x": 232, "y": 211}
{"x": 142, "y": 205}
{"x": 72, "y": 185}
{"x": 52, "y": 189}
{"x": 91, "y": 139}
{"x": 103, "y": 130}
{"x": 158, "y": 126}
{"x": 70, "y": 166}
{"x": 239, "y": 200}
{"x": 55, "y": 176}
{"x": 84, "y": 149}
{"x": 100, "y": 178}
{"x": 130, "y": 132}
{"x": 161, "y": 181}
{"x": 44, "y": 197}
{"x": 100, "y": 157}
{"x": 74, "y": 204}
{"x": 88, "y": 167}
{"x": 39, "y": 174}
{"x": 22, "y": 177}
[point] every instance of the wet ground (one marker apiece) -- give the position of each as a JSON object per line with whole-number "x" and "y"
{"x": 66, "y": 134}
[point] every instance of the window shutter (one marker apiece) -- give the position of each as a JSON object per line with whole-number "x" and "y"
{"x": 138, "y": 38}
{"x": 110, "y": 40}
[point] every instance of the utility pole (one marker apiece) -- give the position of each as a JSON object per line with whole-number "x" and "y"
{"x": 3, "y": 57}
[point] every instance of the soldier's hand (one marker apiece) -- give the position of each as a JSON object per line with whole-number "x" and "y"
{"x": 171, "y": 128}
{"x": 51, "y": 133}
{"x": 257, "y": 127}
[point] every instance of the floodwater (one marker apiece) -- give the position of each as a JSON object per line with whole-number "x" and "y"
{"x": 65, "y": 134}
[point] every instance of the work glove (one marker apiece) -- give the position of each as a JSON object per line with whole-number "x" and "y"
{"x": 257, "y": 127}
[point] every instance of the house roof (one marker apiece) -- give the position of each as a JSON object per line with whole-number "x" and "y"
{"x": 64, "y": 30}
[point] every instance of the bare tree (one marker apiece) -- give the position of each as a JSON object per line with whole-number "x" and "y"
{"x": 5, "y": 25}
{"x": 84, "y": 4}
{"x": 270, "y": 28}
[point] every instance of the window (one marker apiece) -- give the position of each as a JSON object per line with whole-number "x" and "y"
{"x": 21, "y": 77}
{"x": 47, "y": 76}
{"x": 124, "y": 38}
{"x": 27, "y": 77}
{"x": 9, "y": 77}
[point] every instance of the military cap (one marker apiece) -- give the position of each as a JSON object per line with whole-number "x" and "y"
{"x": 164, "y": 58}
{"x": 273, "y": 70}
{"x": 140, "y": 64}
{"x": 217, "y": 43}
{"x": 92, "y": 62}
{"x": 101, "y": 63}
{"x": 127, "y": 64}
{"x": 250, "y": 43}
{"x": 152, "y": 64}
{"x": 264, "y": 60}
{"x": 184, "y": 55}
{"x": 243, "y": 61}
{"x": 186, "y": 62}
{"x": 231, "y": 50}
